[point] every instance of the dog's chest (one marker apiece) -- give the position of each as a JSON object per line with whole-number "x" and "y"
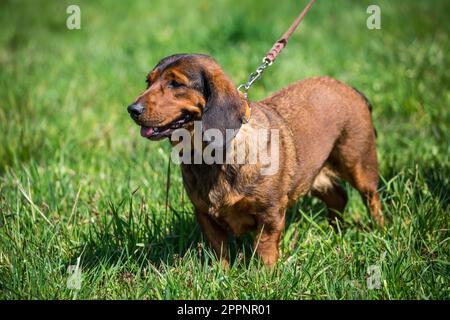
{"x": 222, "y": 195}
{"x": 238, "y": 218}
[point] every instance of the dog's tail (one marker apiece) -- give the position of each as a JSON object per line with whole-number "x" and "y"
{"x": 369, "y": 105}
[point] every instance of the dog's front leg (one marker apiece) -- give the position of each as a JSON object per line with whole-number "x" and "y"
{"x": 269, "y": 230}
{"x": 217, "y": 236}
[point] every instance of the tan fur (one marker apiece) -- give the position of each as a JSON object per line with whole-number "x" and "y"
{"x": 324, "y": 180}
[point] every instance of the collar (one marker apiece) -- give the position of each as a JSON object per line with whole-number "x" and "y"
{"x": 248, "y": 110}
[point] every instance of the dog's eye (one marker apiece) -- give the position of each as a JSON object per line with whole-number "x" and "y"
{"x": 175, "y": 84}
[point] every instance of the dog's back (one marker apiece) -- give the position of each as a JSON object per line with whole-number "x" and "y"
{"x": 334, "y": 137}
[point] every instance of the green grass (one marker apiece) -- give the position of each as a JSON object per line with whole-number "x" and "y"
{"x": 77, "y": 180}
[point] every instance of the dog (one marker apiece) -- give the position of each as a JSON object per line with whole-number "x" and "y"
{"x": 325, "y": 131}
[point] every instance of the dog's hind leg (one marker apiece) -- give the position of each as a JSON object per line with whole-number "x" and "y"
{"x": 365, "y": 181}
{"x": 326, "y": 188}
{"x": 356, "y": 162}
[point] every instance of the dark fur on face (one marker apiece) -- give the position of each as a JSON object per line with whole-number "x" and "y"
{"x": 325, "y": 135}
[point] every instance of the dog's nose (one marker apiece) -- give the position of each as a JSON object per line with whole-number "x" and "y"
{"x": 135, "y": 110}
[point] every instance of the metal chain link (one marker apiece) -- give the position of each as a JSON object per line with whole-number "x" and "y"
{"x": 254, "y": 76}
{"x": 243, "y": 88}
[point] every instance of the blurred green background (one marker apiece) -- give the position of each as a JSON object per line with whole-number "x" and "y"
{"x": 77, "y": 179}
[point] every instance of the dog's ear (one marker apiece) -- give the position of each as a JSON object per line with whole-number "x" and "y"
{"x": 223, "y": 109}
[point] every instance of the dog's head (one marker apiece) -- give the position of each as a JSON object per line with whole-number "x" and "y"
{"x": 183, "y": 88}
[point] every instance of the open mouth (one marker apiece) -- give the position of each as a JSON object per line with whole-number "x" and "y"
{"x": 156, "y": 133}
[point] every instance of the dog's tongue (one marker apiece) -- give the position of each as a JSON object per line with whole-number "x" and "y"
{"x": 146, "y": 131}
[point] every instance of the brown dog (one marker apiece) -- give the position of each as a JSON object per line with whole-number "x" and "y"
{"x": 325, "y": 133}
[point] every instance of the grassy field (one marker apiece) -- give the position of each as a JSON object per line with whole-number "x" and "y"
{"x": 76, "y": 179}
